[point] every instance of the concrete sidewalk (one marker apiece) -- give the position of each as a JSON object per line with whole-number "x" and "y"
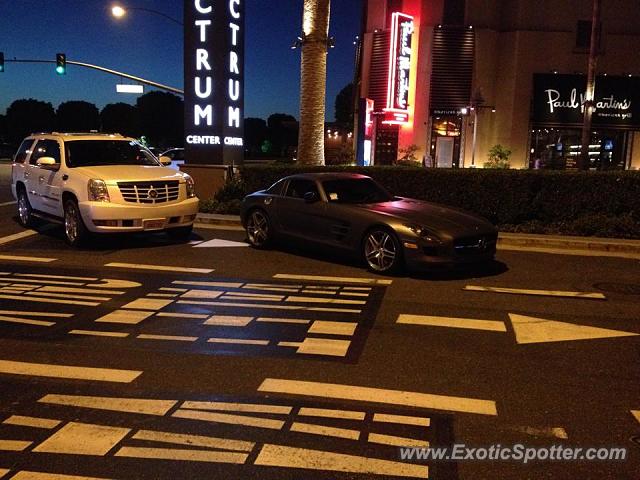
{"x": 566, "y": 245}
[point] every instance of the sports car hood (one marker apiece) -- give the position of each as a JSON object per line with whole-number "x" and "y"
{"x": 131, "y": 173}
{"x": 440, "y": 219}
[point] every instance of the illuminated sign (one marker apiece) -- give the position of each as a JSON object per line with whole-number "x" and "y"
{"x": 397, "y": 111}
{"x": 126, "y": 88}
{"x": 214, "y": 81}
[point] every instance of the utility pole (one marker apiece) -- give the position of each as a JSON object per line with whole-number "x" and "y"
{"x": 583, "y": 161}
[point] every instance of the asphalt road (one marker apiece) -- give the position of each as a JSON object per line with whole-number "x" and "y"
{"x": 214, "y": 360}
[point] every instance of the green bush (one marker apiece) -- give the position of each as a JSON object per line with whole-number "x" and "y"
{"x": 569, "y": 203}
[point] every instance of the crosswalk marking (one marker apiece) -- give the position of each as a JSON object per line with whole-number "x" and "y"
{"x": 269, "y": 306}
{"x": 17, "y": 258}
{"x": 325, "y": 300}
{"x": 114, "y": 404}
{"x": 25, "y": 321}
{"x": 247, "y": 421}
{"x": 320, "y": 346}
{"x": 56, "y": 277}
{"x": 201, "y": 294}
{"x": 330, "y": 413}
{"x": 148, "y": 304}
{"x": 36, "y": 314}
{"x": 636, "y": 413}
{"x": 238, "y": 407}
{"x": 333, "y": 328}
{"x": 69, "y": 372}
{"x": 32, "y": 422}
{"x": 325, "y": 431}
{"x": 229, "y": 321}
{"x": 379, "y": 395}
{"x": 396, "y": 441}
{"x": 48, "y": 296}
{"x": 315, "y": 278}
{"x": 283, "y": 320}
{"x": 466, "y": 323}
{"x": 101, "y": 291}
{"x": 49, "y": 300}
{"x": 402, "y": 419}
{"x": 208, "y": 284}
{"x": 182, "y": 455}
{"x": 83, "y": 439}
{"x": 128, "y": 317}
{"x": 239, "y": 341}
{"x": 97, "y": 333}
{"x": 194, "y": 440}
{"x": 544, "y": 293}
{"x": 29, "y": 475}
{"x": 173, "y": 338}
{"x": 181, "y": 315}
{"x": 292, "y": 457}
{"x": 164, "y": 268}
{"x": 14, "y": 445}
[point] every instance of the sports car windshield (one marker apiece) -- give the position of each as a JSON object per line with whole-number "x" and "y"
{"x": 355, "y": 190}
{"x": 93, "y": 153}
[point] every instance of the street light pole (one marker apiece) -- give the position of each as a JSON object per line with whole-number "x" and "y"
{"x": 584, "y": 161}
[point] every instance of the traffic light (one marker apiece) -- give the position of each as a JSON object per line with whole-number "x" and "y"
{"x": 1, "y": 62}
{"x": 61, "y": 64}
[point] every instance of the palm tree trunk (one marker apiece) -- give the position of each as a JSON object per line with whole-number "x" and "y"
{"x": 313, "y": 81}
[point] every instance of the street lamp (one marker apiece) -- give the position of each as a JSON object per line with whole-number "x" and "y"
{"x": 118, "y": 11}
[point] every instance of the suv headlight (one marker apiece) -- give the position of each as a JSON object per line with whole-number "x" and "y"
{"x": 98, "y": 191}
{"x": 191, "y": 186}
{"x": 424, "y": 234}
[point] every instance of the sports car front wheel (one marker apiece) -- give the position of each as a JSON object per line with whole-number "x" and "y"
{"x": 381, "y": 251}
{"x": 259, "y": 230}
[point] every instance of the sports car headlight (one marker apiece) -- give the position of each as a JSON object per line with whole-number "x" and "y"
{"x": 425, "y": 234}
{"x": 191, "y": 186}
{"x": 98, "y": 191}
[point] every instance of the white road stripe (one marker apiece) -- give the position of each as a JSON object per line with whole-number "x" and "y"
{"x": 333, "y": 328}
{"x": 544, "y": 293}
{"x": 201, "y": 294}
{"x": 247, "y": 421}
{"x": 41, "y": 294}
{"x": 272, "y": 289}
{"x": 208, "y": 284}
{"x": 182, "y": 455}
{"x": 552, "y": 432}
{"x": 40, "y": 282}
{"x": 4, "y": 471}
{"x": 83, "y": 439}
{"x": 164, "y": 268}
{"x": 238, "y": 341}
{"x": 228, "y": 321}
{"x": 35, "y": 314}
{"x": 95, "y": 333}
{"x": 28, "y": 475}
{"x": 17, "y": 236}
{"x": 167, "y": 289}
{"x": 162, "y": 295}
{"x": 34, "y": 422}
{"x": 127, "y": 317}
{"x": 181, "y": 315}
{"x": 272, "y": 307}
{"x": 80, "y": 290}
{"x": 282, "y": 320}
{"x": 56, "y": 277}
{"x": 325, "y": 431}
{"x": 320, "y": 346}
{"x": 6, "y": 204}
{"x": 313, "y": 278}
{"x": 636, "y": 413}
{"x": 148, "y": 304}
{"x": 402, "y": 419}
{"x": 379, "y": 395}
{"x": 238, "y": 407}
{"x": 194, "y": 440}
{"x": 70, "y": 372}
{"x": 14, "y": 445}
{"x": 173, "y": 338}
{"x": 292, "y": 457}
{"x": 466, "y": 323}
{"x": 354, "y": 294}
{"x": 48, "y": 300}
{"x": 16, "y": 258}
{"x": 330, "y": 413}
{"x": 39, "y": 323}
{"x": 258, "y": 296}
{"x": 396, "y": 441}
{"x": 127, "y": 405}
{"x": 325, "y": 300}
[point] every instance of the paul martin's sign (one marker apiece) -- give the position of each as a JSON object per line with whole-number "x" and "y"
{"x": 397, "y": 111}
{"x": 559, "y": 99}
{"x": 214, "y": 81}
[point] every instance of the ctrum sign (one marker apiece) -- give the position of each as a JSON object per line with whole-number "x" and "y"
{"x": 397, "y": 111}
{"x": 214, "y": 81}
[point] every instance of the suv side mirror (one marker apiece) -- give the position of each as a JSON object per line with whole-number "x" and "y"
{"x": 311, "y": 197}
{"x": 165, "y": 161}
{"x": 48, "y": 163}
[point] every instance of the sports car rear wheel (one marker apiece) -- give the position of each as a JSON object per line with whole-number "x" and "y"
{"x": 259, "y": 229}
{"x": 381, "y": 251}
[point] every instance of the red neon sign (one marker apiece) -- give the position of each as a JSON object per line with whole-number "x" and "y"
{"x": 398, "y": 87}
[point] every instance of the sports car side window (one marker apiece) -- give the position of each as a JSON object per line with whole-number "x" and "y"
{"x": 298, "y": 187}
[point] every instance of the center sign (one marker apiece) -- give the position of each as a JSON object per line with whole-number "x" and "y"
{"x": 214, "y": 81}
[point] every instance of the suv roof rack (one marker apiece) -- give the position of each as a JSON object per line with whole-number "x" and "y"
{"x": 70, "y": 134}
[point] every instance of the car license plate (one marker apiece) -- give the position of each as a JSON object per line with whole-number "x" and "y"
{"x": 153, "y": 224}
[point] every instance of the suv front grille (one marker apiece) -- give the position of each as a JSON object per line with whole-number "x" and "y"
{"x": 149, "y": 192}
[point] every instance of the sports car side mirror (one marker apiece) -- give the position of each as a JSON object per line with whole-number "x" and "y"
{"x": 311, "y": 197}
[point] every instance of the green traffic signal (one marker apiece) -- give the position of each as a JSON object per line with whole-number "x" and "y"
{"x": 61, "y": 64}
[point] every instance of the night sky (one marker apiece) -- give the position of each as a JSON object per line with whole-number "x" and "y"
{"x": 150, "y": 46}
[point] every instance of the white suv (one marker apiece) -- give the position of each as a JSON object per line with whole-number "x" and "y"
{"x": 99, "y": 183}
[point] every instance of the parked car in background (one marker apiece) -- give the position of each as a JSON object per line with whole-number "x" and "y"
{"x": 353, "y": 213}
{"x": 7, "y": 151}
{"x": 100, "y": 183}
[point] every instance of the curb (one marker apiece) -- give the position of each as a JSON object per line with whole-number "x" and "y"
{"x": 506, "y": 241}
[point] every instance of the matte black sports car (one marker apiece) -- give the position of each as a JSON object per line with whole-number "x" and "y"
{"x": 354, "y": 213}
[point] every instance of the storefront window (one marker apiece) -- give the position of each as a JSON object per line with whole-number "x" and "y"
{"x": 553, "y": 148}
{"x": 445, "y": 141}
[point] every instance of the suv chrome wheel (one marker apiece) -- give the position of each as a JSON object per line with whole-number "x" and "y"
{"x": 75, "y": 231}
{"x": 24, "y": 209}
{"x": 381, "y": 251}
{"x": 258, "y": 229}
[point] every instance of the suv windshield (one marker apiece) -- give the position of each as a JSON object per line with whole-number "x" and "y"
{"x": 92, "y": 153}
{"x": 355, "y": 190}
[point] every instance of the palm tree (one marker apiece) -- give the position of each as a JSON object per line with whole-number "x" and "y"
{"x": 313, "y": 78}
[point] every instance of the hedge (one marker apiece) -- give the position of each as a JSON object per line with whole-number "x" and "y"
{"x": 534, "y": 201}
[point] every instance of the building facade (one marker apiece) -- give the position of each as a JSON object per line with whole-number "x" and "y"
{"x": 486, "y": 72}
